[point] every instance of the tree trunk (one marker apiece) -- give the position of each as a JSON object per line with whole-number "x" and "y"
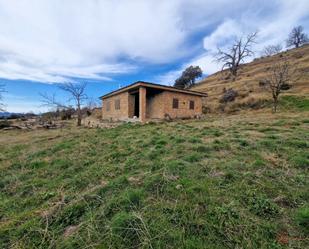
{"x": 275, "y": 105}
{"x": 79, "y": 120}
{"x": 234, "y": 70}
{"x": 79, "y": 115}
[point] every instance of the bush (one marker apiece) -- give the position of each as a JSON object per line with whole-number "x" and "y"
{"x": 263, "y": 83}
{"x": 285, "y": 87}
{"x": 229, "y": 96}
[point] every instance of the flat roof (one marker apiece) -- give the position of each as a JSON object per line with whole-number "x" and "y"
{"x": 152, "y": 85}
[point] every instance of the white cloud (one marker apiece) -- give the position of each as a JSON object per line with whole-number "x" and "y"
{"x": 53, "y": 40}
{"x": 168, "y": 78}
{"x": 272, "y": 19}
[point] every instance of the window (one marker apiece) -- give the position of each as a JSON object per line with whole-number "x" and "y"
{"x": 191, "y": 105}
{"x": 175, "y": 103}
{"x": 117, "y": 104}
{"x": 108, "y": 106}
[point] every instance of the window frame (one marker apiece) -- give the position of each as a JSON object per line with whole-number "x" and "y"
{"x": 108, "y": 106}
{"x": 175, "y": 103}
{"x": 191, "y": 105}
{"x": 117, "y": 104}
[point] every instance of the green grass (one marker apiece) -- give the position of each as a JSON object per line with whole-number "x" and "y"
{"x": 188, "y": 184}
{"x": 294, "y": 102}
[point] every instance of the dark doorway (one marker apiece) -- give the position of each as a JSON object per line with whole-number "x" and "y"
{"x": 136, "y": 105}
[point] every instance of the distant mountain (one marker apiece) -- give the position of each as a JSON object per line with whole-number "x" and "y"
{"x": 10, "y": 114}
{"x": 5, "y": 114}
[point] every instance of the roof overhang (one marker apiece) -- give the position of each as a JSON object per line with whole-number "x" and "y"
{"x": 155, "y": 86}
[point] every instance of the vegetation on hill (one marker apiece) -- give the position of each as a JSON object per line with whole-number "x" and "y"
{"x": 251, "y": 77}
{"x": 236, "y": 181}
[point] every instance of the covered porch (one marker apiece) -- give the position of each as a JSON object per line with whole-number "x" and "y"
{"x": 141, "y": 103}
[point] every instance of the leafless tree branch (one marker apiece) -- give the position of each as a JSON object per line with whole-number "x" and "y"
{"x": 281, "y": 74}
{"x": 51, "y": 101}
{"x": 77, "y": 93}
{"x": 235, "y": 55}
{"x": 271, "y": 50}
{"x": 297, "y": 37}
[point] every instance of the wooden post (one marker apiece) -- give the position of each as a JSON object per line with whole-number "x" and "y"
{"x": 142, "y": 104}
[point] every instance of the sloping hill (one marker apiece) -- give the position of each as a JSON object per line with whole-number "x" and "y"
{"x": 247, "y": 83}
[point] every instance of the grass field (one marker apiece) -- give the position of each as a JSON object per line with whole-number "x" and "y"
{"x": 238, "y": 181}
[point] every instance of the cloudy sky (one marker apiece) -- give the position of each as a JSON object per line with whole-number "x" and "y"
{"x": 112, "y": 43}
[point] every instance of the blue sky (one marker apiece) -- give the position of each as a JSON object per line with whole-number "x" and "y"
{"x": 110, "y": 43}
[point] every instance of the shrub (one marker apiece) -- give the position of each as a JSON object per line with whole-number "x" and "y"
{"x": 229, "y": 96}
{"x": 285, "y": 87}
{"x": 263, "y": 83}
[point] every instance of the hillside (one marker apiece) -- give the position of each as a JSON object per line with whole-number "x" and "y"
{"x": 237, "y": 181}
{"x": 247, "y": 83}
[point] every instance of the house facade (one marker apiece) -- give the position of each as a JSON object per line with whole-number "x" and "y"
{"x": 147, "y": 101}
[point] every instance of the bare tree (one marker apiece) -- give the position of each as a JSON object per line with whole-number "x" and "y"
{"x": 2, "y": 90}
{"x": 77, "y": 93}
{"x": 280, "y": 75}
{"x": 50, "y": 100}
{"x": 271, "y": 50}
{"x": 235, "y": 55}
{"x": 93, "y": 103}
{"x": 297, "y": 37}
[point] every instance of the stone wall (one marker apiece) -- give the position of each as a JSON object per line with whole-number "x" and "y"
{"x": 112, "y": 113}
{"x": 155, "y": 106}
{"x": 183, "y": 110}
{"x": 158, "y": 106}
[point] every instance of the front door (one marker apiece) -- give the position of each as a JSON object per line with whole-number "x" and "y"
{"x": 136, "y": 105}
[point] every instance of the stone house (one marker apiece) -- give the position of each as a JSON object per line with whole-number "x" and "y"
{"x": 148, "y": 101}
